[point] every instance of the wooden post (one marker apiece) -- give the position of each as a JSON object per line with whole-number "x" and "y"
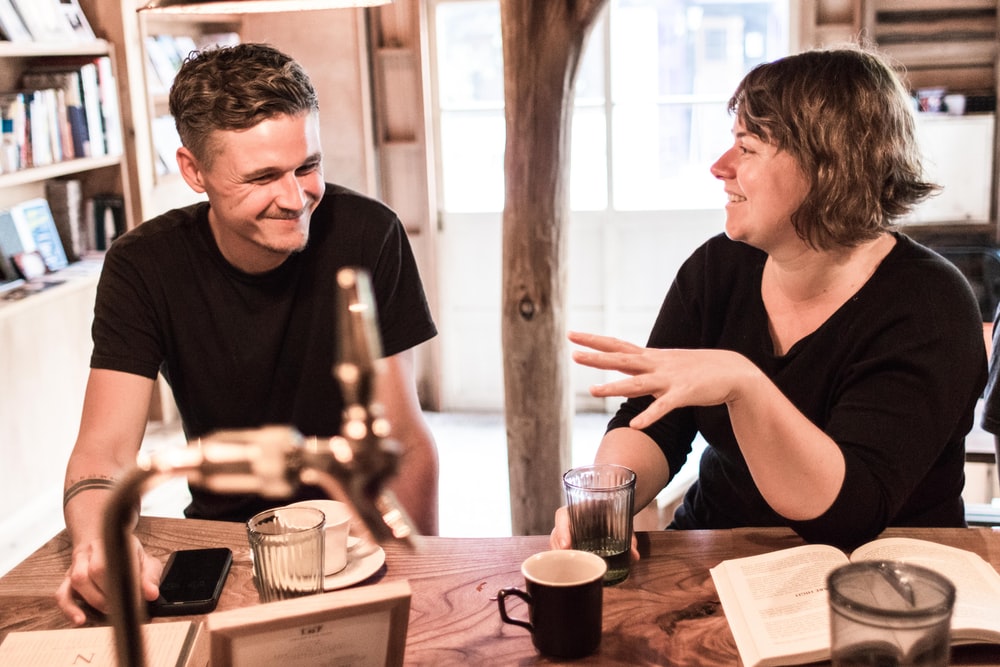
{"x": 543, "y": 42}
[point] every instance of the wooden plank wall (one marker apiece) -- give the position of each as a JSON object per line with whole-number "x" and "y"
{"x": 939, "y": 43}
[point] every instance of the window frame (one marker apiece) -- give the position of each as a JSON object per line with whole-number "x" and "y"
{"x": 606, "y": 103}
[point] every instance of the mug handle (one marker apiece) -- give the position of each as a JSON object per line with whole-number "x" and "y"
{"x": 501, "y": 603}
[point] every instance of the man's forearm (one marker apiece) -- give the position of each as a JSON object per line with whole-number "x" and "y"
{"x": 85, "y": 503}
{"x": 416, "y": 488}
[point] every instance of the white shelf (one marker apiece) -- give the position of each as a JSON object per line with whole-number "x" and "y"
{"x": 77, "y": 277}
{"x": 55, "y": 170}
{"x": 97, "y": 47}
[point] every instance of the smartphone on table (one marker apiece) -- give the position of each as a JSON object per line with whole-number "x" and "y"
{"x": 192, "y": 582}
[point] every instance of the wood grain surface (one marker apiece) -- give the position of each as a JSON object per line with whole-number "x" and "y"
{"x": 666, "y": 613}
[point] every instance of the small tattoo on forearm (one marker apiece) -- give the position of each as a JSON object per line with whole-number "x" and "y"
{"x": 86, "y": 485}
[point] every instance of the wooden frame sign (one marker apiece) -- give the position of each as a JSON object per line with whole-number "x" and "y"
{"x": 360, "y": 626}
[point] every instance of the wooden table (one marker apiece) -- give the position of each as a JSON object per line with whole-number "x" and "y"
{"x": 666, "y": 613}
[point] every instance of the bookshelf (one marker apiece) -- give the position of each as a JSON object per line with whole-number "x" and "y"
{"x": 45, "y": 340}
{"x": 104, "y": 174}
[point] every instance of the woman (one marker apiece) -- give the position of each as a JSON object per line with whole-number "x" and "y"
{"x": 831, "y": 363}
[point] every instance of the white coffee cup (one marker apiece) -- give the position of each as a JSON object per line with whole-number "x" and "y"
{"x": 955, "y": 104}
{"x": 338, "y": 523}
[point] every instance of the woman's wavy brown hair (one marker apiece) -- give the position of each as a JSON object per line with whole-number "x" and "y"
{"x": 846, "y": 118}
{"x": 235, "y": 88}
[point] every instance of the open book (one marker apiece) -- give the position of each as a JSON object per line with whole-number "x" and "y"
{"x": 171, "y": 644}
{"x": 777, "y": 604}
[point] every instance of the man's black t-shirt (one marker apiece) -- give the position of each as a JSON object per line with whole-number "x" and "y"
{"x": 241, "y": 350}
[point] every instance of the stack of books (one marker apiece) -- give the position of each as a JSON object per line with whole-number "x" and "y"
{"x": 43, "y": 21}
{"x": 66, "y": 108}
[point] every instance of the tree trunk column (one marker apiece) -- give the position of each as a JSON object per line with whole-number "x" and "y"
{"x": 542, "y": 45}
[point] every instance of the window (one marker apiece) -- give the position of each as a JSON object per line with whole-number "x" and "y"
{"x": 651, "y": 93}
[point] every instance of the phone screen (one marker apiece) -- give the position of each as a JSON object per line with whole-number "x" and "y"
{"x": 192, "y": 582}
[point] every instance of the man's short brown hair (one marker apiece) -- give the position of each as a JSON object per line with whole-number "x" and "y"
{"x": 235, "y": 88}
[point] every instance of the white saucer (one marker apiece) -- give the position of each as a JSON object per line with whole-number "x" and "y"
{"x": 357, "y": 569}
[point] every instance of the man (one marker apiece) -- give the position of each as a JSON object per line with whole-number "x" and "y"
{"x": 233, "y": 300}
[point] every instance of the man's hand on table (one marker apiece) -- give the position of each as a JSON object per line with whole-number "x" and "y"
{"x": 86, "y": 580}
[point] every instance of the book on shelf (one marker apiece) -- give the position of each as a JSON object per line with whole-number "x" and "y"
{"x": 7, "y": 271}
{"x": 172, "y": 50}
{"x": 99, "y": 97}
{"x": 76, "y": 20}
{"x": 18, "y": 262}
{"x": 8, "y": 274}
{"x": 65, "y": 197}
{"x": 80, "y": 75}
{"x": 166, "y": 53}
{"x": 12, "y": 28}
{"x": 50, "y": 131}
{"x": 68, "y": 82}
{"x": 108, "y": 219}
{"x": 36, "y": 230}
{"x": 110, "y": 107}
{"x": 170, "y": 644}
{"x": 43, "y": 126}
{"x": 778, "y": 609}
{"x": 63, "y": 105}
{"x": 92, "y": 106}
{"x": 49, "y": 20}
{"x": 14, "y": 137}
{"x": 166, "y": 141}
{"x": 45, "y": 20}
{"x": 10, "y": 239}
{"x": 61, "y": 129}
{"x": 185, "y": 46}
{"x": 161, "y": 67}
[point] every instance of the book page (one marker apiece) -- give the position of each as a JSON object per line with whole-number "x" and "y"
{"x": 776, "y": 603}
{"x": 977, "y": 584}
{"x": 166, "y": 645}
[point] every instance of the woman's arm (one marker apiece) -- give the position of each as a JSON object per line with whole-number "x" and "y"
{"x": 797, "y": 468}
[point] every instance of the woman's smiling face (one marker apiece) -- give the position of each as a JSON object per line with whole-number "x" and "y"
{"x": 765, "y": 186}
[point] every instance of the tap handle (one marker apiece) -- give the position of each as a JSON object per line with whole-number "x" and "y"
{"x": 359, "y": 346}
